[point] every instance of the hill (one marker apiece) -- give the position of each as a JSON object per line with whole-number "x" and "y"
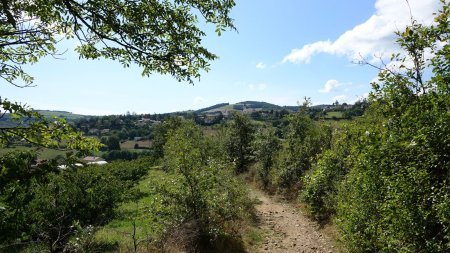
{"x": 61, "y": 114}
{"x": 247, "y": 106}
{"x": 6, "y": 122}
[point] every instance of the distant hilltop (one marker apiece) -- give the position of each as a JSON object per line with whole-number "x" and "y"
{"x": 248, "y": 106}
{"x": 6, "y": 122}
{"x": 245, "y": 107}
{"x": 60, "y": 114}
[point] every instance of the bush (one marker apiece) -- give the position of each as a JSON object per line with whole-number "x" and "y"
{"x": 199, "y": 192}
{"x": 320, "y": 186}
{"x": 42, "y": 206}
{"x": 120, "y": 155}
{"x": 266, "y": 147}
{"x": 239, "y": 136}
{"x": 47, "y": 209}
{"x": 396, "y": 196}
{"x": 304, "y": 140}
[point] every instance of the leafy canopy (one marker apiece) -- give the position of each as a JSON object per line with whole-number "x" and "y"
{"x": 158, "y": 35}
{"x": 403, "y": 161}
{"x": 33, "y": 128}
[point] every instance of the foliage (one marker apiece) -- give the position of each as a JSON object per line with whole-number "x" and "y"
{"x": 238, "y": 141}
{"x": 201, "y": 191}
{"x": 113, "y": 143}
{"x": 160, "y": 132}
{"x": 396, "y": 196}
{"x": 266, "y": 147}
{"x": 321, "y": 185}
{"x": 33, "y": 128}
{"x": 304, "y": 140}
{"x": 159, "y": 36}
{"x": 130, "y": 171}
{"x": 356, "y": 110}
{"x": 44, "y": 206}
{"x": 125, "y": 155}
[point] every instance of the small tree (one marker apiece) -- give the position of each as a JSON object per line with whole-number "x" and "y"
{"x": 304, "y": 140}
{"x": 201, "y": 193}
{"x": 240, "y": 134}
{"x": 42, "y": 205}
{"x": 266, "y": 147}
{"x": 113, "y": 143}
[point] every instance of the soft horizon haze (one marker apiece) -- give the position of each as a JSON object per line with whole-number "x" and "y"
{"x": 282, "y": 52}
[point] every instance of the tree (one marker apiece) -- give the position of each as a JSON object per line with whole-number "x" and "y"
{"x": 201, "y": 189}
{"x": 240, "y": 134}
{"x": 304, "y": 140}
{"x": 266, "y": 146}
{"x": 42, "y": 205}
{"x": 113, "y": 143}
{"x": 160, "y": 132}
{"x": 158, "y": 35}
{"x": 31, "y": 127}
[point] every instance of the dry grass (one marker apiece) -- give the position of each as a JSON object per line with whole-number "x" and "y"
{"x": 130, "y": 144}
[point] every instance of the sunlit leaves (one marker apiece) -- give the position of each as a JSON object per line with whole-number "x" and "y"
{"x": 152, "y": 34}
{"x": 31, "y": 127}
{"x": 392, "y": 199}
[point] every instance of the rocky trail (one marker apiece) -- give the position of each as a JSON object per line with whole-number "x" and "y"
{"x": 286, "y": 229}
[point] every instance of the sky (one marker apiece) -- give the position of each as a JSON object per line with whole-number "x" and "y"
{"x": 283, "y": 51}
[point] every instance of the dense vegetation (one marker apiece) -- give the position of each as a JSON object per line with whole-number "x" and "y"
{"x": 44, "y": 207}
{"x": 384, "y": 180}
{"x": 193, "y": 192}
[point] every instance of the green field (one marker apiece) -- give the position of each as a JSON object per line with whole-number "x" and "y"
{"x": 130, "y": 144}
{"x": 135, "y": 218}
{"x": 43, "y": 153}
{"x": 334, "y": 115}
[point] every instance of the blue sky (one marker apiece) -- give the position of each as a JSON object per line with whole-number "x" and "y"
{"x": 283, "y": 51}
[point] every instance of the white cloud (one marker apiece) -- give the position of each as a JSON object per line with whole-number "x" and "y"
{"x": 373, "y": 38}
{"x": 304, "y": 54}
{"x": 199, "y": 100}
{"x": 261, "y": 65}
{"x": 330, "y": 85}
{"x": 258, "y": 87}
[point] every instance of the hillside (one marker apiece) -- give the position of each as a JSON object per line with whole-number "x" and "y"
{"x": 246, "y": 106}
{"x": 61, "y": 114}
{"x": 6, "y": 122}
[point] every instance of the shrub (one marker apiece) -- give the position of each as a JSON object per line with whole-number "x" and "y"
{"x": 46, "y": 209}
{"x": 43, "y": 206}
{"x": 304, "y": 140}
{"x": 266, "y": 146}
{"x": 320, "y": 186}
{"x": 238, "y": 142}
{"x": 199, "y": 190}
{"x": 396, "y": 196}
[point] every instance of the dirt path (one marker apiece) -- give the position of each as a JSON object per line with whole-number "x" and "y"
{"x": 287, "y": 229}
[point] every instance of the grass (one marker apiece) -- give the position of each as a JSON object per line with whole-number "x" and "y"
{"x": 334, "y": 115}
{"x": 43, "y": 153}
{"x": 147, "y": 218}
{"x": 130, "y": 144}
{"x": 135, "y": 217}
